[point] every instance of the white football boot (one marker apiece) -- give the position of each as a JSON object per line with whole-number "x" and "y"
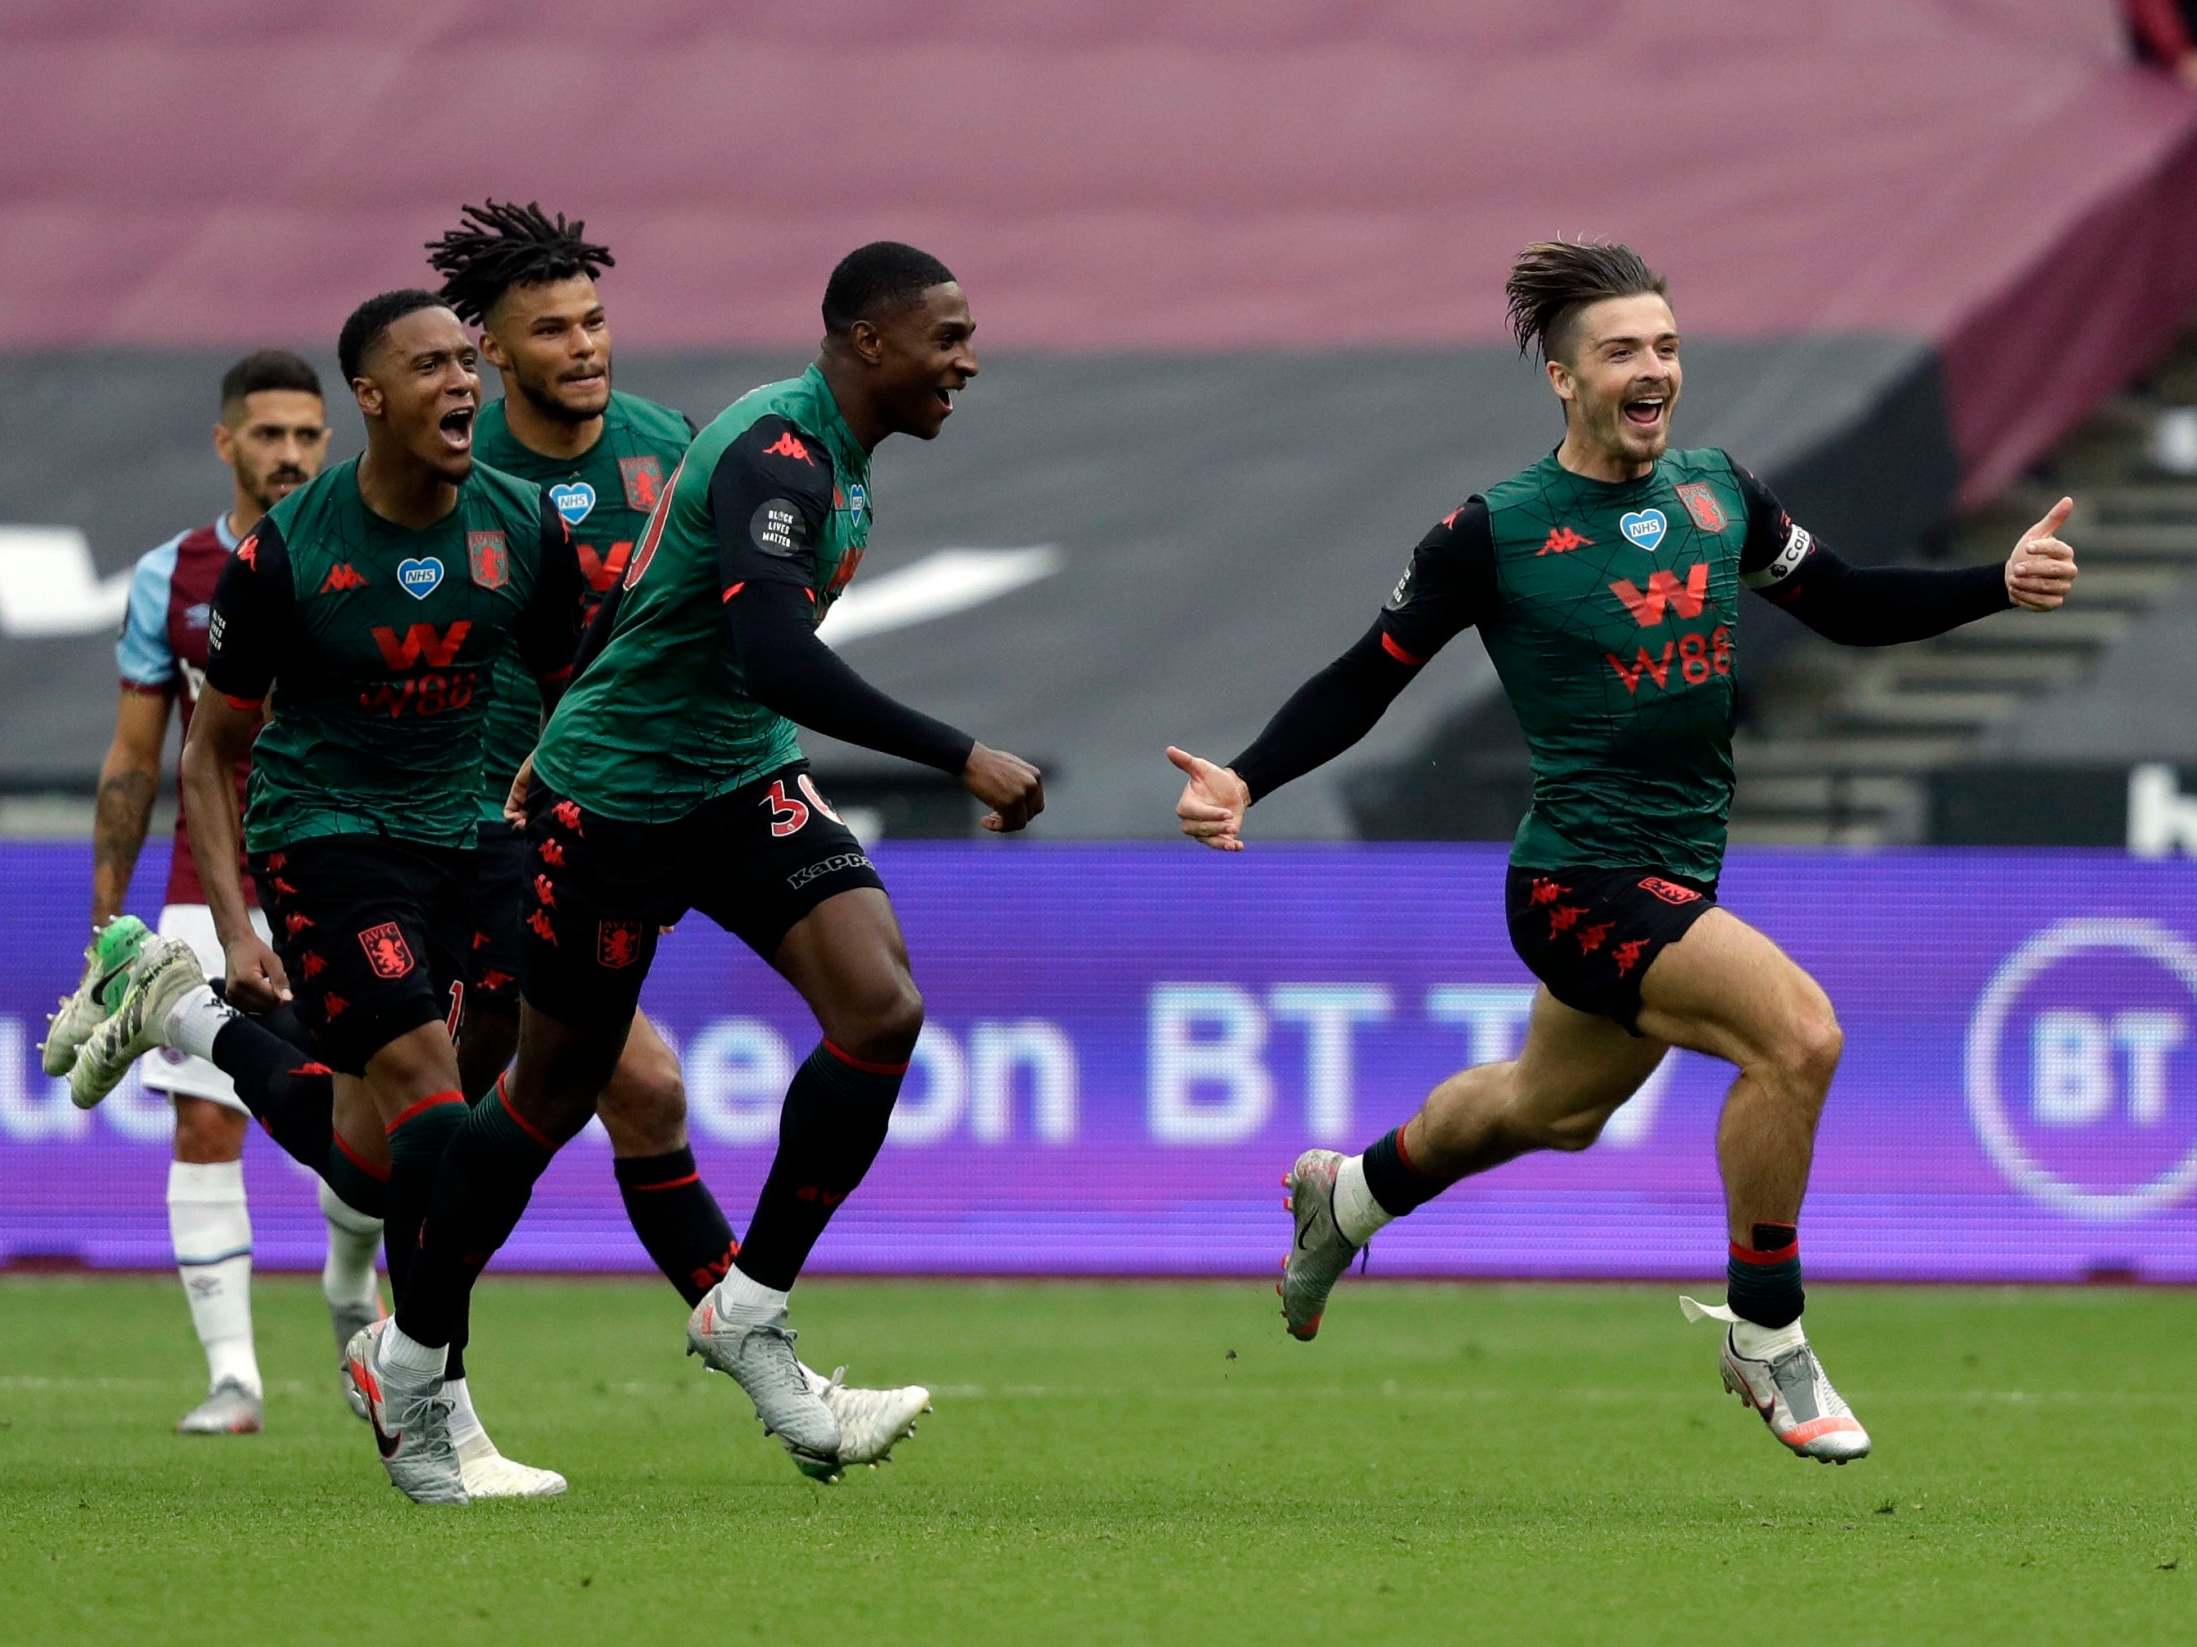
{"x": 871, "y": 1422}
{"x": 230, "y": 1409}
{"x": 488, "y": 1474}
{"x": 411, "y": 1420}
{"x": 1779, "y": 1376}
{"x": 1320, "y": 1252}
{"x": 349, "y": 1320}
{"x": 98, "y": 992}
{"x": 755, "y": 1347}
{"x": 162, "y": 973}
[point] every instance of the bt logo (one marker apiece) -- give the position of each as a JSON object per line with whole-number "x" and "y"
{"x": 2081, "y": 1067}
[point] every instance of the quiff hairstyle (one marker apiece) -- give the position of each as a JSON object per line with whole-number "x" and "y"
{"x": 1551, "y": 281}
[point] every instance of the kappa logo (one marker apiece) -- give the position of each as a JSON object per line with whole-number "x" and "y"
{"x": 418, "y": 578}
{"x": 575, "y": 501}
{"x": 341, "y": 577}
{"x": 1670, "y": 891}
{"x": 386, "y": 951}
{"x": 490, "y": 559}
{"x": 1562, "y": 540}
{"x": 1644, "y": 528}
{"x": 1701, "y": 502}
{"x": 788, "y": 446}
{"x": 617, "y": 944}
{"x": 248, "y": 551}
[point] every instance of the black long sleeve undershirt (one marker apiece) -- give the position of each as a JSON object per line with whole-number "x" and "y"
{"x": 1325, "y": 716}
{"x": 787, "y": 668}
{"x": 1886, "y": 605}
{"x": 771, "y": 493}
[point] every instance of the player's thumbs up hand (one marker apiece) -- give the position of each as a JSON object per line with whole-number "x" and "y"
{"x": 2041, "y": 570}
{"x": 1212, "y": 805}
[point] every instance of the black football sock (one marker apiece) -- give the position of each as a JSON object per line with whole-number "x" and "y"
{"x": 678, "y": 1220}
{"x": 287, "y": 1093}
{"x": 418, "y": 1140}
{"x": 479, "y": 1193}
{"x": 1763, "y": 1280}
{"x": 358, "y": 1183}
{"x": 829, "y": 1131}
{"x": 1393, "y": 1180}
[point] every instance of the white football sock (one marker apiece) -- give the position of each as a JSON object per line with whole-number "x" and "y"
{"x": 409, "y": 1354}
{"x": 1766, "y": 1343}
{"x": 212, "y": 1232}
{"x": 465, "y": 1423}
{"x": 737, "y": 1292}
{"x": 195, "y": 1020}
{"x": 353, "y": 1238}
{"x": 1357, "y": 1214}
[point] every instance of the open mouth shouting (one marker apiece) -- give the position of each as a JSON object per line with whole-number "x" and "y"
{"x": 1646, "y": 411}
{"x": 944, "y": 395}
{"x": 457, "y": 429}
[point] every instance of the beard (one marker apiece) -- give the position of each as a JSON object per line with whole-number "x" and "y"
{"x": 261, "y": 488}
{"x": 542, "y": 396}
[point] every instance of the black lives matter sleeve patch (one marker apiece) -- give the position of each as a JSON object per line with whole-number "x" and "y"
{"x": 779, "y": 528}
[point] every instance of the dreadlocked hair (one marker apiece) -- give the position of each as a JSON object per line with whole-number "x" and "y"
{"x": 1552, "y": 280}
{"x": 499, "y": 245}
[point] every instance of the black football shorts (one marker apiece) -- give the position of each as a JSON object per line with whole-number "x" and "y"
{"x": 1590, "y": 934}
{"x": 755, "y": 861}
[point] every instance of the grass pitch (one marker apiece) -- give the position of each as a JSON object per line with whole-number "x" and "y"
{"x": 1128, "y": 1463}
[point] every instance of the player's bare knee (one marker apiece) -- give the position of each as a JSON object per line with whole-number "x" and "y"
{"x": 645, "y": 1109}
{"x": 1813, "y": 1044}
{"x": 207, "y": 1133}
{"x": 883, "y": 1024}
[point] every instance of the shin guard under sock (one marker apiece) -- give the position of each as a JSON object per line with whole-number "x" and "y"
{"x": 1763, "y": 1280}
{"x": 287, "y": 1093}
{"x": 484, "y": 1182}
{"x": 419, "y": 1139}
{"x": 678, "y": 1220}
{"x": 1394, "y": 1181}
{"x": 831, "y": 1128}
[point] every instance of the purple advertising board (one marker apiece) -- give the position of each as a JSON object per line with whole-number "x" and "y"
{"x": 1127, "y": 1044}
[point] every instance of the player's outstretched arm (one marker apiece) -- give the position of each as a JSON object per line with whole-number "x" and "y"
{"x": 1449, "y": 585}
{"x": 1888, "y": 605}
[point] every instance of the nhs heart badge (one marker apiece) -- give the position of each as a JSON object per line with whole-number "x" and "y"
{"x": 858, "y": 499}
{"x": 419, "y": 578}
{"x": 575, "y": 502}
{"x": 1644, "y": 528}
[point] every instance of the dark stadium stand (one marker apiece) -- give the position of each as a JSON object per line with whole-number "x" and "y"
{"x": 1237, "y": 359}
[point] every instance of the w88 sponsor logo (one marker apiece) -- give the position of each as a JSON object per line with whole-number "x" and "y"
{"x": 1697, "y": 658}
{"x": 424, "y": 696}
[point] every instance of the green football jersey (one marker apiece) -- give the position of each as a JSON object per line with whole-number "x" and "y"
{"x": 660, "y": 721}
{"x": 1611, "y": 612}
{"x": 605, "y": 495}
{"x": 372, "y": 646}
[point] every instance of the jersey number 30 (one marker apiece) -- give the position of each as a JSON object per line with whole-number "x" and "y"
{"x": 789, "y": 814}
